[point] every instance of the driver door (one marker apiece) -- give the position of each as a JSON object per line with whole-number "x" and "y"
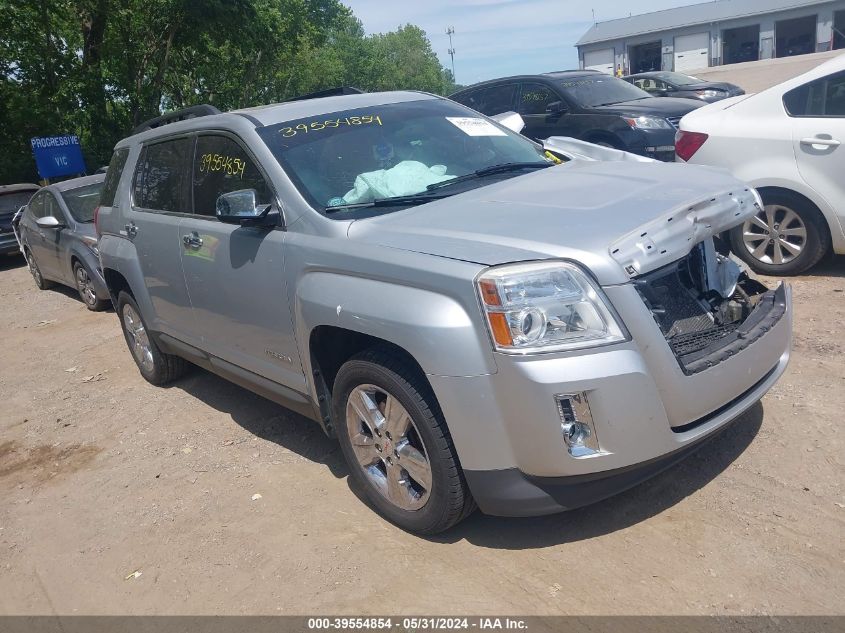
{"x": 535, "y": 100}
{"x": 235, "y": 274}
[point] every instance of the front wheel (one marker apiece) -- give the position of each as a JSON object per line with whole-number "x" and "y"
{"x": 787, "y": 237}
{"x": 86, "y": 289}
{"x": 396, "y": 443}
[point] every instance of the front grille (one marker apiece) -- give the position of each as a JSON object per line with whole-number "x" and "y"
{"x": 690, "y": 342}
{"x": 674, "y": 120}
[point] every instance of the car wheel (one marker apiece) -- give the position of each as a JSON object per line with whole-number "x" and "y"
{"x": 40, "y": 282}
{"x": 87, "y": 291}
{"x": 787, "y": 237}
{"x": 395, "y": 441}
{"x": 155, "y": 366}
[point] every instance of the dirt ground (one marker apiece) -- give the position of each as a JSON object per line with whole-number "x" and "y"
{"x": 117, "y": 497}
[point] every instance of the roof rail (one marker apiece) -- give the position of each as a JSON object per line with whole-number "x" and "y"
{"x": 178, "y": 115}
{"x": 329, "y": 92}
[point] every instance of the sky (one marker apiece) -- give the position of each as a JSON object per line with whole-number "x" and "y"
{"x": 496, "y": 38}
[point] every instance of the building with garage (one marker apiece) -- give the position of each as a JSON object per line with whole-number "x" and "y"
{"x": 713, "y": 34}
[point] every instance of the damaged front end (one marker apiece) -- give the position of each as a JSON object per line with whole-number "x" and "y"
{"x": 707, "y": 308}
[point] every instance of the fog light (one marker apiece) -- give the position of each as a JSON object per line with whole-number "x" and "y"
{"x": 576, "y": 424}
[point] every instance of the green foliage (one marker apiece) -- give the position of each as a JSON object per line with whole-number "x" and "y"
{"x": 98, "y": 68}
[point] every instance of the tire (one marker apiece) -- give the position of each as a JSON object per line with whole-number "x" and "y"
{"x": 155, "y": 366}
{"x": 805, "y": 239}
{"x": 40, "y": 282}
{"x": 423, "y": 501}
{"x": 85, "y": 288}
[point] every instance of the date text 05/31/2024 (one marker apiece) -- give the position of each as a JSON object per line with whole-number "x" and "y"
{"x": 417, "y": 623}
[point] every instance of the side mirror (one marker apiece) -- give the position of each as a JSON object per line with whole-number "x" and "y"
{"x": 48, "y": 222}
{"x": 240, "y": 207}
{"x": 555, "y": 108}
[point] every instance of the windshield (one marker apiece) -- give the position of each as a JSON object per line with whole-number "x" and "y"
{"x": 82, "y": 201}
{"x": 394, "y": 151}
{"x": 590, "y": 91}
{"x": 11, "y": 202}
{"x": 677, "y": 79}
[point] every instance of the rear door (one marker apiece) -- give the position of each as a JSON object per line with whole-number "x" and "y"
{"x": 817, "y": 117}
{"x": 235, "y": 274}
{"x": 160, "y": 197}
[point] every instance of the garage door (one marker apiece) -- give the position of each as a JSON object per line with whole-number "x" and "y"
{"x": 600, "y": 60}
{"x": 692, "y": 52}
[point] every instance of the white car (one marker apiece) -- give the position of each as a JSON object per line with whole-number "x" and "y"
{"x": 787, "y": 142}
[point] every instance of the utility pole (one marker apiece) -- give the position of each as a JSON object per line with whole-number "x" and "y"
{"x": 450, "y": 31}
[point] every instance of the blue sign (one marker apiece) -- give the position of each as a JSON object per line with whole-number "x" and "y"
{"x": 58, "y": 155}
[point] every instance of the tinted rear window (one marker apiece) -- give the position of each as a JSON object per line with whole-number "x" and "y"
{"x": 161, "y": 180}
{"x": 113, "y": 173}
{"x": 82, "y": 201}
{"x": 11, "y": 202}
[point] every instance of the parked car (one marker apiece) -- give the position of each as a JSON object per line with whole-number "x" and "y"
{"x": 787, "y": 142}
{"x": 56, "y": 232}
{"x": 669, "y": 84}
{"x": 586, "y": 105}
{"x": 474, "y": 323}
{"x": 12, "y": 198}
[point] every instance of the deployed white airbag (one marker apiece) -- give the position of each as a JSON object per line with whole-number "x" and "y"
{"x": 405, "y": 179}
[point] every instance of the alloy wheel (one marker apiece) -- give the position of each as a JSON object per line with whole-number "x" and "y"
{"x": 85, "y": 286}
{"x": 139, "y": 340}
{"x": 776, "y": 235}
{"x": 33, "y": 269}
{"x": 388, "y": 447}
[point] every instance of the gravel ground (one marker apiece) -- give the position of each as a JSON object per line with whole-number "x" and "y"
{"x": 122, "y": 498}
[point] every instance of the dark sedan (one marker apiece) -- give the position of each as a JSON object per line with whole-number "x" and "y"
{"x": 586, "y": 105}
{"x": 58, "y": 239}
{"x": 12, "y": 198}
{"x": 668, "y": 84}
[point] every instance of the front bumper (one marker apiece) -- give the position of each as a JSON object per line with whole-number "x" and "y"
{"x": 647, "y": 413}
{"x": 657, "y": 144}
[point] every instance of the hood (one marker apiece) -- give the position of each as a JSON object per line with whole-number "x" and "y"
{"x": 617, "y": 219}
{"x": 659, "y": 106}
{"x": 731, "y": 89}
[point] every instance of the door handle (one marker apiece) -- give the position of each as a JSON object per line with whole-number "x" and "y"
{"x": 192, "y": 240}
{"x": 131, "y": 230}
{"x": 827, "y": 142}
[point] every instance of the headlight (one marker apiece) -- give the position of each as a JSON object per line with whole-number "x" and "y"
{"x": 545, "y": 306}
{"x": 649, "y": 123}
{"x": 710, "y": 93}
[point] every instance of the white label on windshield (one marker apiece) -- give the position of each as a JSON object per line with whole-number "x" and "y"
{"x": 472, "y": 126}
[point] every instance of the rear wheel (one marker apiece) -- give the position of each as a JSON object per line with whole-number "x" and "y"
{"x": 87, "y": 291}
{"x": 155, "y": 366}
{"x": 396, "y": 443}
{"x": 40, "y": 282}
{"x": 787, "y": 237}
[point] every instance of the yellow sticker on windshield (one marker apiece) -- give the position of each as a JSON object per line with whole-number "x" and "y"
{"x": 318, "y": 126}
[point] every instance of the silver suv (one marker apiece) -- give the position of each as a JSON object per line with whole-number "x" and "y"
{"x": 477, "y": 321}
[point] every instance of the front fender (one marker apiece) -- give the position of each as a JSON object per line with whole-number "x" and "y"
{"x": 434, "y": 328}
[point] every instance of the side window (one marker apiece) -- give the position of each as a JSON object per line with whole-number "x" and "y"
{"x": 36, "y": 206}
{"x": 535, "y": 98}
{"x": 823, "y": 97}
{"x": 161, "y": 179}
{"x": 113, "y": 173}
{"x": 52, "y": 208}
{"x": 221, "y": 166}
{"x": 493, "y": 100}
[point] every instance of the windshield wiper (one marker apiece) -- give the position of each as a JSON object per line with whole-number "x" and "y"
{"x": 396, "y": 201}
{"x": 488, "y": 171}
